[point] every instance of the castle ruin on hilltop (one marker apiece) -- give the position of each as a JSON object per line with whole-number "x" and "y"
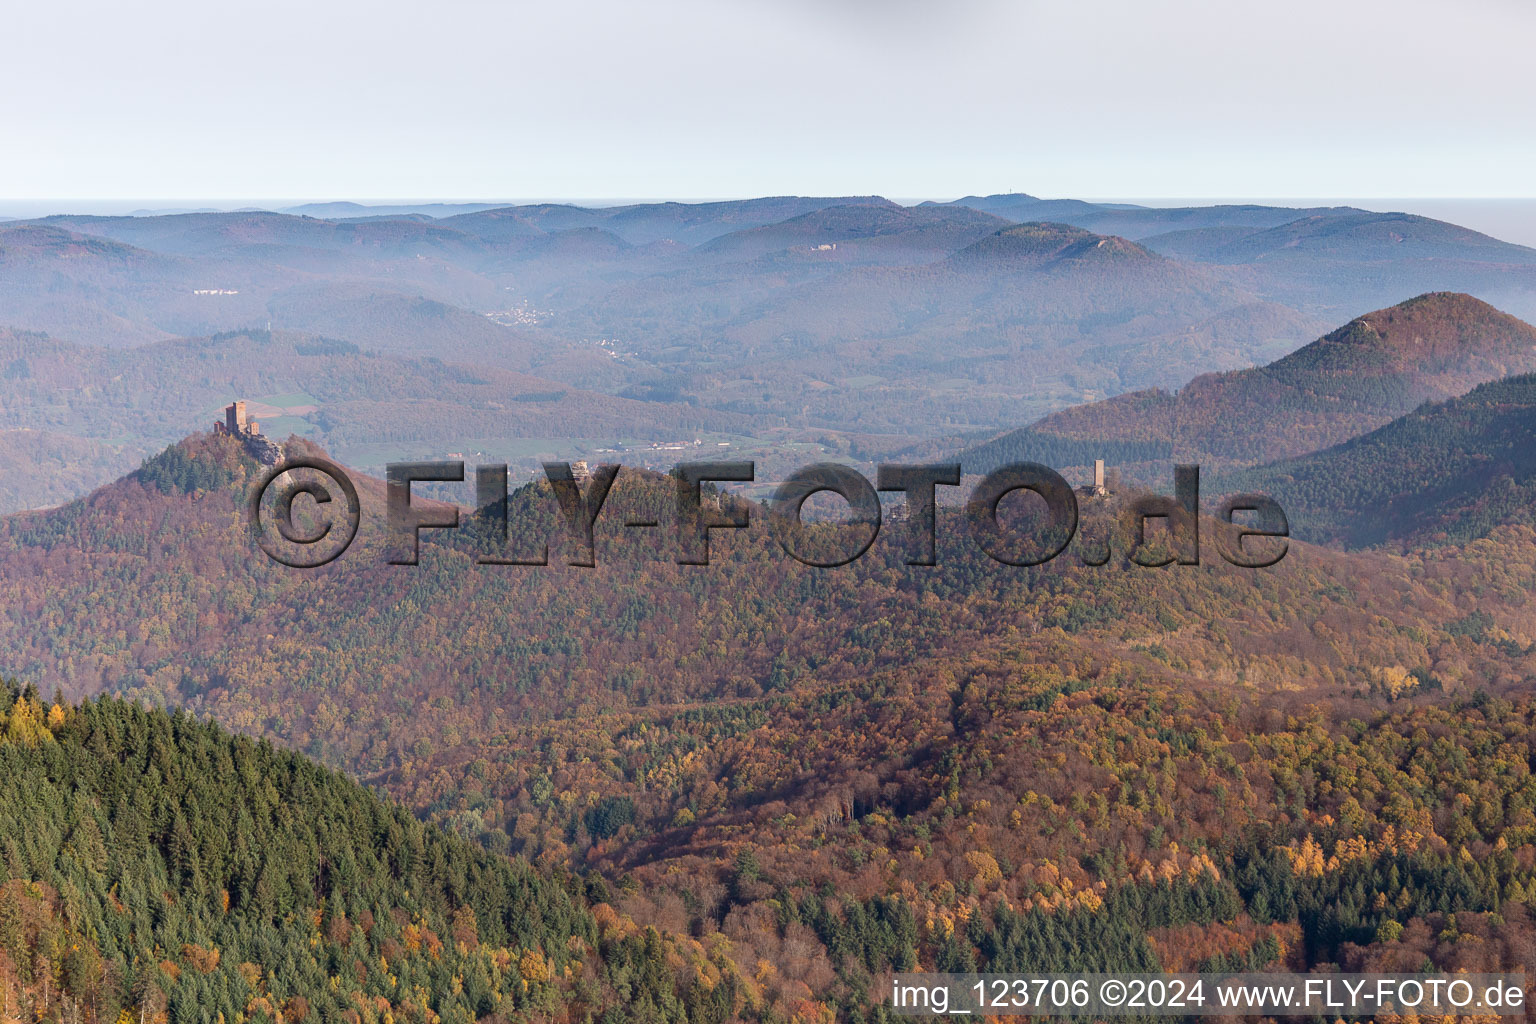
{"x": 1099, "y": 488}
{"x": 234, "y": 424}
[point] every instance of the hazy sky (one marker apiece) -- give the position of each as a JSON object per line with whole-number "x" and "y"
{"x": 173, "y": 99}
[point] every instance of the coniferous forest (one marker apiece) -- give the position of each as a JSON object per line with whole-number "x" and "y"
{"x": 162, "y": 869}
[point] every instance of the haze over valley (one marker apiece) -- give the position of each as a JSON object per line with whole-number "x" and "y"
{"x": 840, "y": 326}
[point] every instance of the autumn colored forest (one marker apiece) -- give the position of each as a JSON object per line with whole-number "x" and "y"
{"x": 791, "y": 782}
{"x": 467, "y": 793}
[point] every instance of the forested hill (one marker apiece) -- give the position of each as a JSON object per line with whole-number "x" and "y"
{"x": 161, "y": 868}
{"x": 821, "y": 775}
{"x": 1374, "y": 368}
{"x": 1447, "y": 472}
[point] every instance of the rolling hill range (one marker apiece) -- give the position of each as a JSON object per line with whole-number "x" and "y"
{"x": 847, "y": 772}
{"x": 447, "y": 230}
{"x": 1448, "y": 473}
{"x": 830, "y": 313}
{"x": 89, "y": 287}
{"x": 863, "y": 234}
{"x": 75, "y": 413}
{"x": 1023, "y": 318}
{"x": 1359, "y": 259}
{"x": 638, "y": 224}
{"x": 1368, "y": 372}
{"x": 1143, "y": 222}
{"x": 1327, "y": 261}
{"x": 752, "y": 790}
{"x": 97, "y": 289}
{"x": 44, "y": 467}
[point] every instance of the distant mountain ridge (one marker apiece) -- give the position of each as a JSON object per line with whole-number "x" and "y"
{"x": 345, "y": 210}
{"x": 833, "y": 313}
{"x": 938, "y": 230}
{"x": 690, "y": 223}
{"x": 1348, "y": 233}
{"x": 1333, "y": 262}
{"x": 1041, "y": 243}
{"x": 1139, "y": 222}
{"x": 1020, "y": 318}
{"x": 1350, "y": 381}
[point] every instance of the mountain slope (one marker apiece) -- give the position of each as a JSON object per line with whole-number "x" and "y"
{"x": 95, "y": 402}
{"x": 44, "y": 467}
{"x": 1357, "y": 378}
{"x": 125, "y": 281}
{"x": 1038, "y": 245}
{"x": 867, "y": 232}
{"x": 89, "y": 288}
{"x": 840, "y": 773}
{"x": 389, "y": 322}
{"x": 1024, "y": 319}
{"x": 213, "y": 234}
{"x": 205, "y": 876}
{"x": 639, "y": 224}
{"x": 1446, "y": 473}
{"x": 1328, "y": 262}
{"x": 1142, "y": 222}
{"x": 1370, "y": 236}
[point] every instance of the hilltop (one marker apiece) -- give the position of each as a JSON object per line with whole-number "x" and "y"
{"x": 1019, "y": 319}
{"x": 883, "y": 233}
{"x": 1356, "y": 234}
{"x": 1335, "y": 262}
{"x": 1040, "y": 244}
{"x": 638, "y": 224}
{"x": 1352, "y": 380}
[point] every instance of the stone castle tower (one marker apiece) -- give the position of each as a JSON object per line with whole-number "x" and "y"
{"x": 1099, "y": 488}
{"x": 234, "y": 424}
